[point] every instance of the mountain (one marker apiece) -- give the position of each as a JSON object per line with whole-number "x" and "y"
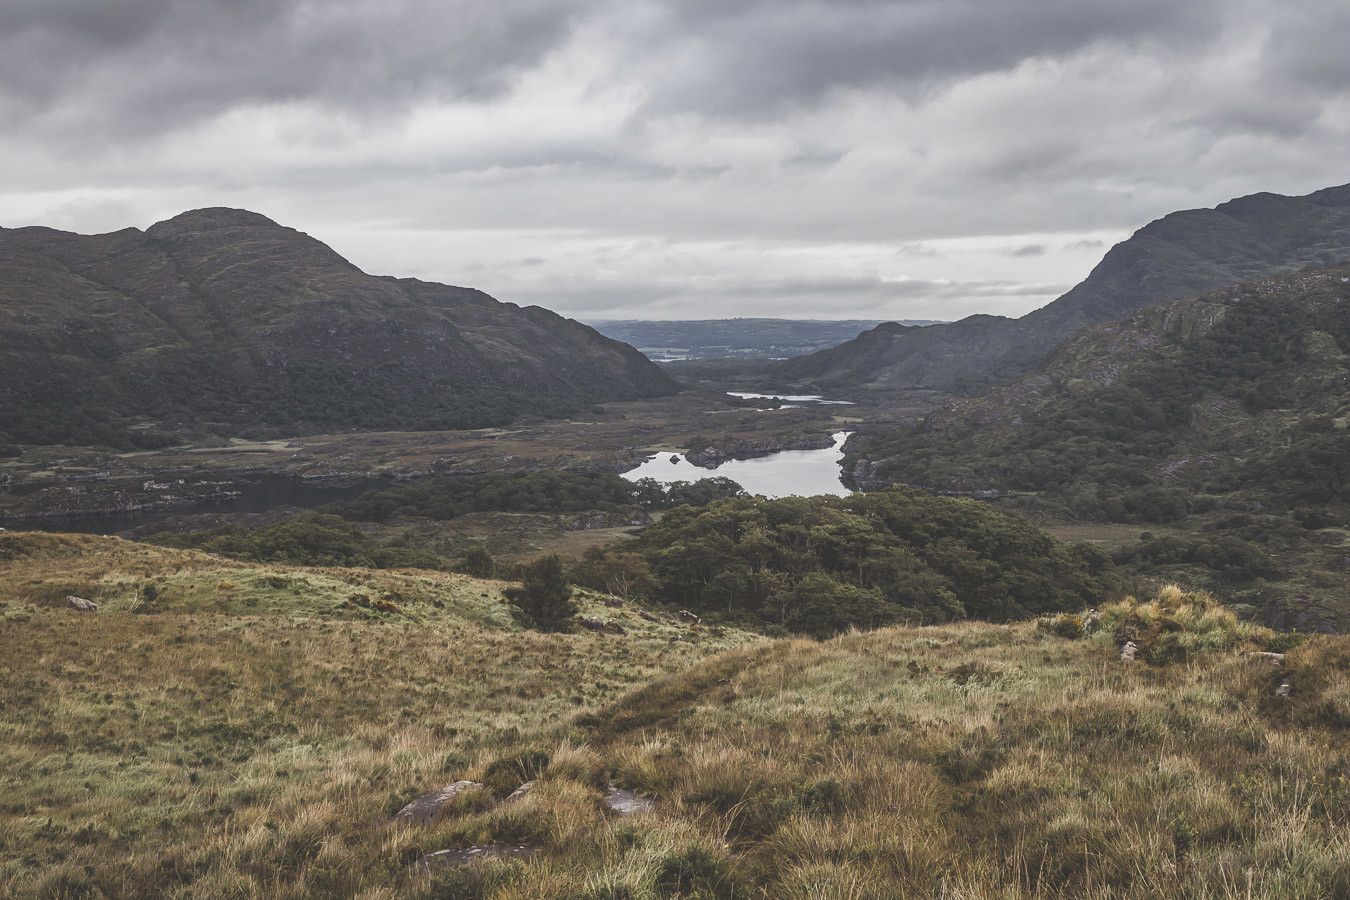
{"x": 1244, "y": 389}
{"x": 223, "y": 318}
{"x": 747, "y": 338}
{"x": 1180, "y": 255}
{"x": 1221, "y": 423}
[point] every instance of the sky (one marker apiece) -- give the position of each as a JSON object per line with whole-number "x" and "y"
{"x": 877, "y": 159}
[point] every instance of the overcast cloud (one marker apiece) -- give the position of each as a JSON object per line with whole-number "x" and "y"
{"x": 632, "y": 158}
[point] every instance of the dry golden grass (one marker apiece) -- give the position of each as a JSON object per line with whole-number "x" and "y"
{"x": 229, "y": 755}
{"x": 256, "y": 744}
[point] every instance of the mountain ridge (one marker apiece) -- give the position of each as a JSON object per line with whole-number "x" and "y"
{"x": 223, "y": 316}
{"x": 1184, "y": 253}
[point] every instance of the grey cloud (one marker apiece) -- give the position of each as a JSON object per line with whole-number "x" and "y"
{"x": 1309, "y": 43}
{"x": 684, "y": 156}
{"x": 1085, "y": 244}
{"x": 758, "y": 57}
{"x": 152, "y": 64}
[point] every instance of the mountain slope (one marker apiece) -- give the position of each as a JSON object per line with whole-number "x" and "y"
{"x": 225, "y": 318}
{"x": 1180, "y": 255}
{"x": 1230, "y": 391}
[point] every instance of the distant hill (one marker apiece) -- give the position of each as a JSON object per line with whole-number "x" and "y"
{"x": 1180, "y": 255}
{"x": 222, "y": 318}
{"x": 748, "y": 338}
{"x": 1244, "y": 390}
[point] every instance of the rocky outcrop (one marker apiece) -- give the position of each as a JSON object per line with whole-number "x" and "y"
{"x": 446, "y": 859}
{"x": 428, "y": 807}
{"x": 79, "y": 604}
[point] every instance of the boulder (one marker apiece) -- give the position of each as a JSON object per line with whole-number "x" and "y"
{"x": 521, "y": 792}
{"x": 591, "y": 623}
{"x": 427, "y": 807}
{"x": 444, "y": 859}
{"x": 1128, "y": 652}
{"x": 690, "y": 618}
{"x": 624, "y": 802}
{"x": 79, "y": 604}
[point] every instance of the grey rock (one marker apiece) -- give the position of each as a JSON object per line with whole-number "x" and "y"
{"x": 521, "y": 792}
{"x": 427, "y": 807}
{"x": 626, "y": 803}
{"x": 79, "y": 604}
{"x": 1128, "y": 652}
{"x": 445, "y": 859}
{"x": 687, "y": 616}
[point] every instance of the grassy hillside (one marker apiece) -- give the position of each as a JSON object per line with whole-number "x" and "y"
{"x": 262, "y": 749}
{"x": 230, "y": 729}
{"x": 223, "y": 319}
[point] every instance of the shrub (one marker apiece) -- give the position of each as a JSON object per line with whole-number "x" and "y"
{"x": 479, "y": 563}
{"x": 695, "y": 872}
{"x": 544, "y": 596}
{"x": 1173, "y": 626}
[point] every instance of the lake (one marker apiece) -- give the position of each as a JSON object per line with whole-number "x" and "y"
{"x": 788, "y": 473}
{"x": 791, "y": 398}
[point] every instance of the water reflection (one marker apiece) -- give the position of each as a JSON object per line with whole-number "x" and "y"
{"x": 788, "y": 473}
{"x": 791, "y": 398}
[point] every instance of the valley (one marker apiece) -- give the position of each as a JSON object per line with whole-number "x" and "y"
{"x": 1077, "y": 633}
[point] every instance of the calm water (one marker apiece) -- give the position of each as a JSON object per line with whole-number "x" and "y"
{"x": 791, "y": 398}
{"x": 789, "y": 473}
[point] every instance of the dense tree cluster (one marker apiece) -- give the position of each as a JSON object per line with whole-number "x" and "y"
{"x": 822, "y": 564}
{"x": 556, "y": 492}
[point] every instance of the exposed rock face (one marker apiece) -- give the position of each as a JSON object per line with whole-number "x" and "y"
{"x": 426, "y": 808}
{"x": 79, "y": 604}
{"x": 1180, "y": 255}
{"x": 223, "y": 316}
